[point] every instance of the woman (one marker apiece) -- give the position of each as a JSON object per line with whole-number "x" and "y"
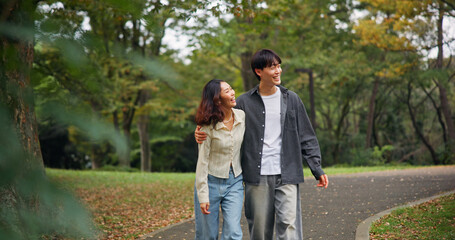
{"x": 219, "y": 178}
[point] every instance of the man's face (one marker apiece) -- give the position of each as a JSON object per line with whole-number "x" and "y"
{"x": 270, "y": 75}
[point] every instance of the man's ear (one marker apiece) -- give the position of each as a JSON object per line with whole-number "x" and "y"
{"x": 258, "y": 71}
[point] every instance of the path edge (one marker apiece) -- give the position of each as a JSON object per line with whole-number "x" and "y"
{"x": 144, "y": 237}
{"x": 363, "y": 229}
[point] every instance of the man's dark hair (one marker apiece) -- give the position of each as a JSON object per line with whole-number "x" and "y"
{"x": 262, "y": 59}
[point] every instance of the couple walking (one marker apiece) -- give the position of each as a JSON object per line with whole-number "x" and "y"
{"x": 268, "y": 128}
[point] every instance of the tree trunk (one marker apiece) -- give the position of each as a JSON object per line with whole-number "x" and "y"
{"x": 249, "y": 79}
{"x": 126, "y": 128}
{"x": 370, "y": 117}
{"x": 142, "y": 125}
{"x": 136, "y": 33}
{"x": 16, "y": 62}
{"x": 96, "y": 152}
{"x": 311, "y": 92}
{"x": 417, "y": 129}
{"x": 144, "y": 96}
{"x": 97, "y": 155}
{"x": 438, "y": 113}
{"x": 312, "y": 105}
{"x": 448, "y": 116}
{"x": 339, "y": 131}
{"x": 445, "y": 106}
{"x": 16, "y": 58}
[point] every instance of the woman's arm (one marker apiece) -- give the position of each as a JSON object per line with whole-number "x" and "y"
{"x": 202, "y": 173}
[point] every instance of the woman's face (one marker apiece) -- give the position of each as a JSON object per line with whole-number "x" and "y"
{"x": 227, "y": 95}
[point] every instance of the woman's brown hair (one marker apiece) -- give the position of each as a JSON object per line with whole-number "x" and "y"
{"x": 210, "y": 109}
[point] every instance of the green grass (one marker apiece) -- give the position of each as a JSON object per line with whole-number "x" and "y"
{"x": 95, "y": 179}
{"x": 431, "y": 220}
{"x": 89, "y": 179}
{"x": 349, "y": 170}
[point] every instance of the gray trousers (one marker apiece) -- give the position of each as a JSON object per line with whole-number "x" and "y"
{"x": 270, "y": 205}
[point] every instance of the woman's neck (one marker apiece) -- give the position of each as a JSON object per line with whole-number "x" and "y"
{"x": 227, "y": 114}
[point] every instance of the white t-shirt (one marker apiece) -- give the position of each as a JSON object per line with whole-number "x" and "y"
{"x": 271, "y": 150}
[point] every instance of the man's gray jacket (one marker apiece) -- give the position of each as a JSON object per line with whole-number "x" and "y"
{"x": 298, "y": 138}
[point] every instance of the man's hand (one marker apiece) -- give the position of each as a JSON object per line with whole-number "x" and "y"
{"x": 199, "y": 135}
{"x": 323, "y": 181}
{"x": 205, "y": 208}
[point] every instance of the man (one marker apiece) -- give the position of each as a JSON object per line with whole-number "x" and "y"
{"x": 278, "y": 134}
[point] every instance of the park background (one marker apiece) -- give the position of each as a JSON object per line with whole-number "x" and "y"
{"x": 101, "y": 85}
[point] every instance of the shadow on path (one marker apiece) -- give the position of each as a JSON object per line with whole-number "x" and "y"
{"x": 335, "y": 212}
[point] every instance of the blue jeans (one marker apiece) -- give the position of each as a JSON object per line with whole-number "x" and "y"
{"x": 229, "y": 194}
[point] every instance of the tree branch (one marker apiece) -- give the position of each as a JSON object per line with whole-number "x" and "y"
{"x": 438, "y": 111}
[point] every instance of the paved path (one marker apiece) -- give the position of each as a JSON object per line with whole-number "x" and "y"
{"x": 334, "y": 213}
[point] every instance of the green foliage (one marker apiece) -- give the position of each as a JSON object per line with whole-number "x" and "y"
{"x": 371, "y": 157}
{"x": 104, "y": 68}
{"x": 379, "y": 154}
{"x": 108, "y": 67}
{"x": 361, "y": 157}
{"x": 447, "y": 158}
{"x": 172, "y": 144}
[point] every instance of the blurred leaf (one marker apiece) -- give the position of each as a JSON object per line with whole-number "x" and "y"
{"x": 95, "y": 129}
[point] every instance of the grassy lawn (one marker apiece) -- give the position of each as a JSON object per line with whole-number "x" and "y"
{"x": 348, "y": 170}
{"x": 431, "y": 220}
{"x": 129, "y": 205}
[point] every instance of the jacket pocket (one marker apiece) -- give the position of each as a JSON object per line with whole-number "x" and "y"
{"x": 290, "y": 120}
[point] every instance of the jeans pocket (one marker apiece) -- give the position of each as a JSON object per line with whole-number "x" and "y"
{"x": 212, "y": 179}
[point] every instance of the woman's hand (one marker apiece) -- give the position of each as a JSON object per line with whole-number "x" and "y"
{"x": 205, "y": 208}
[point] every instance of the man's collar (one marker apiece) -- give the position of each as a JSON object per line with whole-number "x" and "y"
{"x": 256, "y": 89}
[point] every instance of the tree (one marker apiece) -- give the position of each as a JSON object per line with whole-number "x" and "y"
{"x": 389, "y": 29}
{"x": 123, "y": 45}
{"x": 441, "y": 82}
{"x": 27, "y": 200}
{"x": 15, "y": 92}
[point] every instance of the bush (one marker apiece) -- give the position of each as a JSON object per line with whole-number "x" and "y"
{"x": 371, "y": 156}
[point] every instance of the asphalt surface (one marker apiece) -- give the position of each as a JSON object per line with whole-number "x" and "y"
{"x": 335, "y": 212}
